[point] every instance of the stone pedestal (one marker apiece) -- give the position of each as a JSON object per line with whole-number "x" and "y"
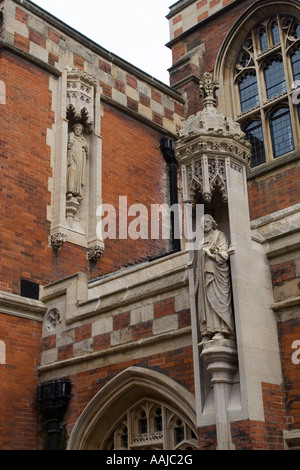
{"x": 72, "y": 206}
{"x": 221, "y": 358}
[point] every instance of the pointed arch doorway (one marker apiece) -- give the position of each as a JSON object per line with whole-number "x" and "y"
{"x": 140, "y": 409}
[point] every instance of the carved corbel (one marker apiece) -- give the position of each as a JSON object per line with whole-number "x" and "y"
{"x": 95, "y": 253}
{"x": 57, "y": 240}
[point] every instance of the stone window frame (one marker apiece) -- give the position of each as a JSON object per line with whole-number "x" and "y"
{"x": 257, "y": 64}
{"x": 128, "y": 435}
{"x": 225, "y": 74}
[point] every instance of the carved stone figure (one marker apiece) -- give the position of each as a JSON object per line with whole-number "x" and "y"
{"x": 213, "y": 287}
{"x": 77, "y": 155}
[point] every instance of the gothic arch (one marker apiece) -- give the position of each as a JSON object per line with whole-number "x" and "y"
{"x": 227, "y": 56}
{"x": 128, "y": 388}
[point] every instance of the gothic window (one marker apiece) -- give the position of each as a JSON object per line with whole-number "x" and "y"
{"x": 268, "y": 64}
{"x": 152, "y": 425}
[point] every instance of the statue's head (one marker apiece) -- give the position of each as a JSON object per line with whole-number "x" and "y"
{"x": 209, "y": 223}
{"x": 78, "y": 129}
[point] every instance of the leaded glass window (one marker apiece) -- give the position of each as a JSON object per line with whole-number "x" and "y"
{"x": 281, "y": 132}
{"x": 274, "y": 78}
{"x": 267, "y": 67}
{"x": 254, "y": 133}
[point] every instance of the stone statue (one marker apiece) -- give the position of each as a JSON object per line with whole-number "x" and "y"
{"x": 77, "y": 155}
{"x": 213, "y": 288}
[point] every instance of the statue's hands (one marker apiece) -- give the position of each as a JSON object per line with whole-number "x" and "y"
{"x": 210, "y": 253}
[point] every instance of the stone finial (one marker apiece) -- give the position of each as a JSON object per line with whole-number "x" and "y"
{"x": 208, "y": 89}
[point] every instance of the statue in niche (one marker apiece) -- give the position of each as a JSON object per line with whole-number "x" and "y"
{"x": 77, "y": 155}
{"x": 213, "y": 287}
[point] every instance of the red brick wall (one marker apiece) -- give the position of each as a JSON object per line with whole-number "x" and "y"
{"x": 18, "y": 378}
{"x": 275, "y": 191}
{"x": 132, "y": 166}
{"x": 255, "y": 435}
{"x": 25, "y": 170}
{"x": 289, "y": 334}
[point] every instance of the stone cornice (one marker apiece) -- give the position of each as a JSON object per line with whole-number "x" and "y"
{"x": 11, "y": 304}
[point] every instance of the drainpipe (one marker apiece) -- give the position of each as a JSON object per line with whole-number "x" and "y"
{"x": 54, "y": 398}
{"x": 167, "y": 149}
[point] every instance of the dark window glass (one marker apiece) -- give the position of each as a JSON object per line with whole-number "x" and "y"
{"x": 179, "y": 432}
{"x": 295, "y": 59}
{"x": 281, "y": 132}
{"x": 296, "y": 32}
{"x": 143, "y": 424}
{"x": 248, "y": 92}
{"x": 263, "y": 39}
{"x": 275, "y": 33}
{"x": 274, "y": 77}
{"x": 158, "y": 420}
{"x": 124, "y": 438}
{"x": 255, "y": 135}
{"x": 245, "y": 59}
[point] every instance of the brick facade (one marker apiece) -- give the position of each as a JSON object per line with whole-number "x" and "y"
{"x": 19, "y": 422}
{"x": 132, "y": 308}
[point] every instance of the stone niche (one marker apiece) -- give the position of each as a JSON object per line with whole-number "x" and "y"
{"x": 213, "y": 156}
{"x": 76, "y": 192}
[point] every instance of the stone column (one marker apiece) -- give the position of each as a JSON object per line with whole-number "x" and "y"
{"x": 220, "y": 355}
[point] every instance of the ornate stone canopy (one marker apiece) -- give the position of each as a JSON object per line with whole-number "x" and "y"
{"x": 206, "y": 141}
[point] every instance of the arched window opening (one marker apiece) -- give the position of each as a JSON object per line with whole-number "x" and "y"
{"x": 158, "y": 420}
{"x": 274, "y": 78}
{"x": 179, "y": 432}
{"x": 124, "y": 438}
{"x": 281, "y": 132}
{"x": 275, "y": 33}
{"x": 263, "y": 39}
{"x": 263, "y": 76}
{"x": 143, "y": 423}
{"x": 254, "y": 134}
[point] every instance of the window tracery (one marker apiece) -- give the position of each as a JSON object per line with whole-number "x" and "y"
{"x": 267, "y": 67}
{"x": 152, "y": 425}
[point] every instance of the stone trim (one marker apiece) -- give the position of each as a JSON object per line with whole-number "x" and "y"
{"x": 11, "y": 304}
{"x": 292, "y": 439}
{"x": 109, "y": 355}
